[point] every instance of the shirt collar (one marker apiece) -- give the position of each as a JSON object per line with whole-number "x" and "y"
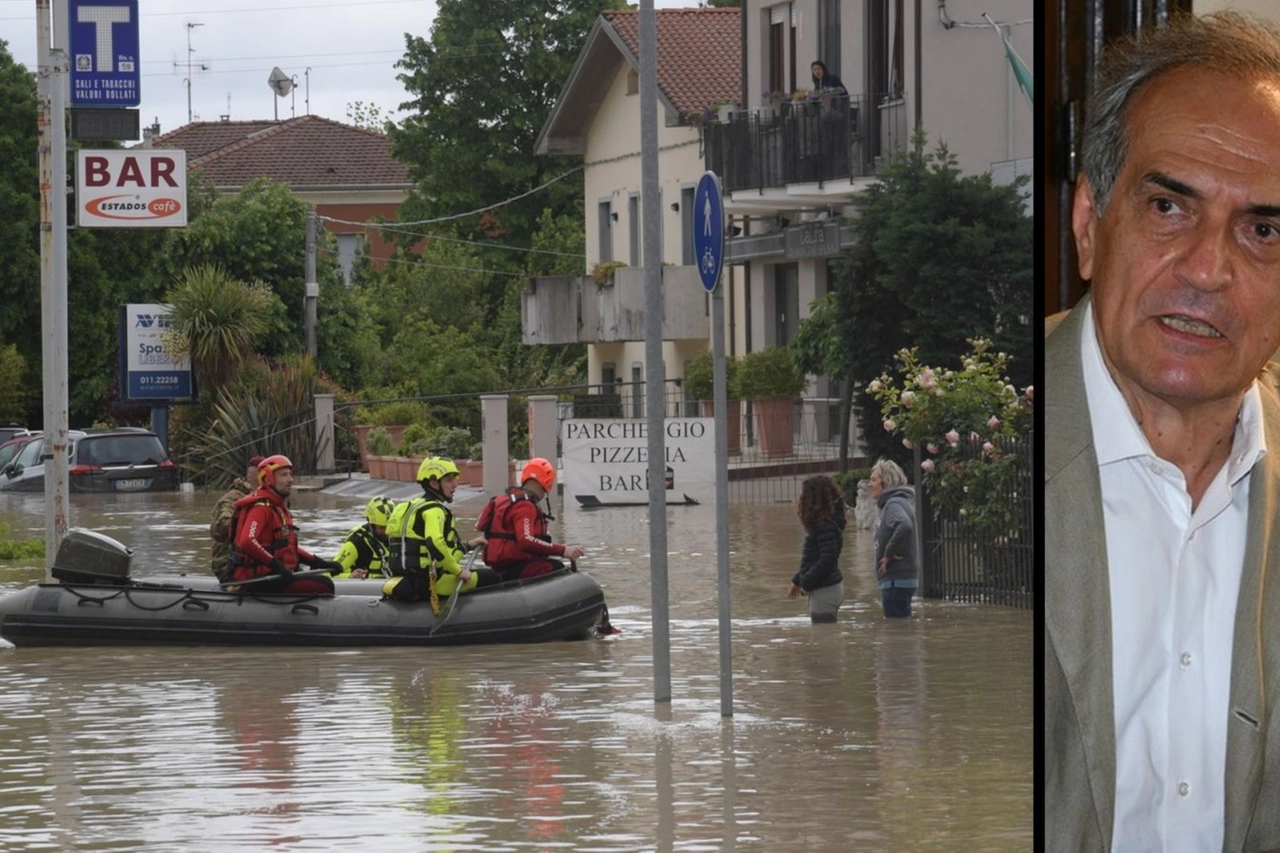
{"x": 1116, "y": 434}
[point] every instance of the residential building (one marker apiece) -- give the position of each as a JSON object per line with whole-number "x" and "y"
{"x": 597, "y": 117}
{"x": 347, "y": 172}
{"x": 790, "y": 165}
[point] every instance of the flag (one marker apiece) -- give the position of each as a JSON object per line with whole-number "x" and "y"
{"x": 1020, "y": 70}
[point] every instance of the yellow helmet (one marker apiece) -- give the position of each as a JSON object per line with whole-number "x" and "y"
{"x": 436, "y": 468}
{"x": 379, "y": 510}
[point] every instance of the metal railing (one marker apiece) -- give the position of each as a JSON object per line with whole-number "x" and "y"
{"x": 995, "y": 564}
{"x": 808, "y": 141}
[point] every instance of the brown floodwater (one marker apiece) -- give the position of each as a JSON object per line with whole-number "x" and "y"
{"x": 862, "y": 735}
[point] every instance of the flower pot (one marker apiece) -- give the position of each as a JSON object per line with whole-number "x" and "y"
{"x": 733, "y": 422}
{"x": 774, "y": 426}
{"x": 470, "y": 472}
{"x": 362, "y": 435}
{"x": 407, "y": 468}
{"x": 381, "y": 467}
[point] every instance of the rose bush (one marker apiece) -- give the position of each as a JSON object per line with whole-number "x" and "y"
{"x": 969, "y": 423}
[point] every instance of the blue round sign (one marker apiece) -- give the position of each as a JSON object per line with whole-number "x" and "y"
{"x": 708, "y": 230}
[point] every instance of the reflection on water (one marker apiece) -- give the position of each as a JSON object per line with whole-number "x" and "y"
{"x": 861, "y": 735}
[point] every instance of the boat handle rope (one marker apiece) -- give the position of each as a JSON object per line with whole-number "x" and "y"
{"x": 191, "y": 598}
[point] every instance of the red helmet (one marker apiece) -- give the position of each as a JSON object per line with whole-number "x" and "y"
{"x": 541, "y": 470}
{"x": 267, "y": 469}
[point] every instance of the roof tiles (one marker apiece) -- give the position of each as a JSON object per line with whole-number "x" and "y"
{"x": 305, "y": 152}
{"x": 699, "y": 53}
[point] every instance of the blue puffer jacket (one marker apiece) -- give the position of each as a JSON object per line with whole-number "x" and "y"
{"x": 896, "y": 534}
{"x": 820, "y": 558}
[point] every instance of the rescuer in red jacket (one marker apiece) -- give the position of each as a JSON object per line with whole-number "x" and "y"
{"x": 517, "y": 544}
{"x": 266, "y": 540}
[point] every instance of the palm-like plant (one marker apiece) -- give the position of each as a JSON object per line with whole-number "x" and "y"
{"x": 217, "y": 321}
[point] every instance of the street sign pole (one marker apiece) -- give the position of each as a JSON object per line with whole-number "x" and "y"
{"x": 708, "y": 247}
{"x": 52, "y": 61}
{"x": 655, "y": 371}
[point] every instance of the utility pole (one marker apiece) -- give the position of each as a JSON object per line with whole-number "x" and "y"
{"x": 312, "y": 288}
{"x": 51, "y": 57}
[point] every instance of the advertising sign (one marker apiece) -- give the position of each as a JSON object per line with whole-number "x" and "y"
{"x": 131, "y": 189}
{"x": 606, "y": 461}
{"x": 105, "y": 68}
{"x": 147, "y": 369}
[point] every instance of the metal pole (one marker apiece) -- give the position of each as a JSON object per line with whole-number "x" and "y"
{"x": 312, "y": 288}
{"x": 720, "y": 393}
{"x": 655, "y": 374}
{"x": 53, "y": 278}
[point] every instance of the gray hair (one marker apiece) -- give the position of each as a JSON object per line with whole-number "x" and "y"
{"x": 1227, "y": 42}
{"x": 891, "y": 474}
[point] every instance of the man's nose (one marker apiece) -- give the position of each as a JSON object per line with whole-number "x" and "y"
{"x": 1207, "y": 259}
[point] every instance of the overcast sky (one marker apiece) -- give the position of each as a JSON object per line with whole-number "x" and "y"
{"x": 350, "y": 48}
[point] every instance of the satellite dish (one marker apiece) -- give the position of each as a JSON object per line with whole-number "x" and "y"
{"x": 280, "y": 82}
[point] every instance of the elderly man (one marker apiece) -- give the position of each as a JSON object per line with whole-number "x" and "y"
{"x": 1162, "y": 457}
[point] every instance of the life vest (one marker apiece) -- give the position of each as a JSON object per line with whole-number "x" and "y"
{"x": 282, "y": 545}
{"x": 501, "y": 544}
{"x": 411, "y": 549}
{"x": 366, "y": 551}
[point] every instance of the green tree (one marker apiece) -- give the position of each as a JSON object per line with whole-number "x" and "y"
{"x": 940, "y": 258}
{"x": 13, "y": 368}
{"x": 19, "y": 215}
{"x": 258, "y": 234}
{"x": 217, "y": 321}
{"x": 481, "y": 88}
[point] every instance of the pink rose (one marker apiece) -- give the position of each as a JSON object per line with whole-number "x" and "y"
{"x": 987, "y": 447}
{"x": 927, "y": 466}
{"x": 953, "y": 438}
{"x": 994, "y": 423}
{"x": 932, "y": 448}
{"x": 889, "y": 425}
{"x": 906, "y": 442}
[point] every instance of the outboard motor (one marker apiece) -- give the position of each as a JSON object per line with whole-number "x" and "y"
{"x": 87, "y": 557}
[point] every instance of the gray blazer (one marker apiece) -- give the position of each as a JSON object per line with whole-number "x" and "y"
{"x": 1079, "y": 733}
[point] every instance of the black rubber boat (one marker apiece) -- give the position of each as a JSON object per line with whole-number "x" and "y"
{"x": 96, "y": 603}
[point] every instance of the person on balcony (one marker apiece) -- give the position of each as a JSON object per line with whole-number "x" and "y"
{"x": 824, "y": 82}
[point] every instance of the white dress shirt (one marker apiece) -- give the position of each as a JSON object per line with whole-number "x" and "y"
{"x": 1174, "y": 577}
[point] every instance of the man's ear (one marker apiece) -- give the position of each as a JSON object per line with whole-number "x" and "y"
{"x": 1084, "y": 219}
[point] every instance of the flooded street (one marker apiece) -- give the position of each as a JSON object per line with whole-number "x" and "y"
{"x": 862, "y": 735}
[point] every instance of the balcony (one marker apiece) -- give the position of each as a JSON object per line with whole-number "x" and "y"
{"x": 577, "y": 310}
{"x": 805, "y": 142}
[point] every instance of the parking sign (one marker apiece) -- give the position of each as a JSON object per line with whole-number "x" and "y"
{"x": 105, "y": 68}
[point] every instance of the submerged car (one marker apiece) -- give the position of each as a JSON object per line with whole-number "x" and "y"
{"x": 9, "y": 449}
{"x": 125, "y": 459}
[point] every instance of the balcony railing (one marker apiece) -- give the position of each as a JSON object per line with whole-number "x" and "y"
{"x": 810, "y": 141}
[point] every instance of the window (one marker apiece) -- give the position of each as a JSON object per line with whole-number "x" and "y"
{"x": 786, "y": 301}
{"x": 686, "y": 226}
{"x": 885, "y": 47}
{"x": 777, "y": 58}
{"x": 608, "y": 376}
{"x": 605, "y": 219}
{"x": 637, "y": 389}
{"x": 633, "y": 227}
{"x": 829, "y": 35}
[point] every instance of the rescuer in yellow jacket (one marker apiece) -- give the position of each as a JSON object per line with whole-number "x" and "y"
{"x": 427, "y": 553}
{"x": 364, "y": 553}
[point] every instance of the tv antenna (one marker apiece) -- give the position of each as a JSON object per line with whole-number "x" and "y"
{"x": 281, "y": 84}
{"x": 191, "y": 66}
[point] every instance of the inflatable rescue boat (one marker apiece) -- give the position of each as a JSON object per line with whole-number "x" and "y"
{"x": 97, "y": 603}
